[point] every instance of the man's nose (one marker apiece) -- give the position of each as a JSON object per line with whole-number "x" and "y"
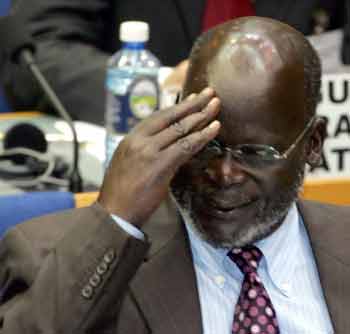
{"x": 226, "y": 172}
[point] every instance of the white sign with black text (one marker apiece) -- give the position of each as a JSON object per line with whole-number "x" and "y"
{"x": 335, "y": 107}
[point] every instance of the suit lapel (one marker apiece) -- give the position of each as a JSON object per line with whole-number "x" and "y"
{"x": 335, "y": 278}
{"x": 165, "y": 289}
{"x": 190, "y": 14}
{"x": 165, "y": 286}
{"x": 329, "y": 237}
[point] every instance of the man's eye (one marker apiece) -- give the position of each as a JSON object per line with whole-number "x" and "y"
{"x": 251, "y": 151}
{"x": 215, "y": 150}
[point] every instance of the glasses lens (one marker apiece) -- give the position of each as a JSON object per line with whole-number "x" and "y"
{"x": 250, "y": 155}
{"x": 256, "y": 155}
{"x": 264, "y": 152}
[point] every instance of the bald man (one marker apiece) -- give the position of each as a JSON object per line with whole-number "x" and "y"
{"x": 232, "y": 249}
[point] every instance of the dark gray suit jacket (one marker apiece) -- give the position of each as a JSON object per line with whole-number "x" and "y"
{"x": 78, "y": 272}
{"x": 75, "y": 37}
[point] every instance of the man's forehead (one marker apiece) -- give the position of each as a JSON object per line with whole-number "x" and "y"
{"x": 246, "y": 61}
{"x": 239, "y": 50}
{"x": 251, "y": 63}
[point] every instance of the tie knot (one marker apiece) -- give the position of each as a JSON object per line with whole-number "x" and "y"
{"x": 246, "y": 258}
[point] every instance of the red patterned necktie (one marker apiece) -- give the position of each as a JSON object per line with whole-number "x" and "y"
{"x": 254, "y": 313}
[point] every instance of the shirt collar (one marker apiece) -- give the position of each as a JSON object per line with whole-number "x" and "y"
{"x": 279, "y": 248}
{"x": 201, "y": 249}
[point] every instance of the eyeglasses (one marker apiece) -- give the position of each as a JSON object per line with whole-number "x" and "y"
{"x": 250, "y": 155}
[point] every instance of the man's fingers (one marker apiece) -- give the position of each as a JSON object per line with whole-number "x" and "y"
{"x": 186, "y": 147}
{"x": 186, "y": 125}
{"x": 164, "y": 118}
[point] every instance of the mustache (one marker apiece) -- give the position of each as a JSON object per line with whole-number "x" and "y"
{"x": 225, "y": 198}
{"x": 224, "y": 195}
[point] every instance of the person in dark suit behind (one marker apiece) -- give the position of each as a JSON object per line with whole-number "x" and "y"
{"x": 75, "y": 38}
{"x": 233, "y": 250}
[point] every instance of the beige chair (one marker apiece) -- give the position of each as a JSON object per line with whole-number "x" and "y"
{"x": 330, "y": 191}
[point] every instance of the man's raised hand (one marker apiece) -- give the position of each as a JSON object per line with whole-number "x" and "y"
{"x": 142, "y": 167}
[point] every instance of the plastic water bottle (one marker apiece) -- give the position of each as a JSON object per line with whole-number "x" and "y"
{"x": 131, "y": 84}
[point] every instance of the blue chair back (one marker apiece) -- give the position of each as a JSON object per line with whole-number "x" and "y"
{"x": 5, "y": 6}
{"x": 17, "y": 208}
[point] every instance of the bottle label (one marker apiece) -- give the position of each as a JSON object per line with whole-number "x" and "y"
{"x": 143, "y": 97}
{"x": 140, "y": 101}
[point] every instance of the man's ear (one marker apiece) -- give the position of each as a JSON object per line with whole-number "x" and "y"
{"x": 316, "y": 140}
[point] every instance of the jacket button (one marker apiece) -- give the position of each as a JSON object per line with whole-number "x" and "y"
{"x": 109, "y": 256}
{"x": 87, "y": 292}
{"x": 95, "y": 280}
{"x": 102, "y": 268}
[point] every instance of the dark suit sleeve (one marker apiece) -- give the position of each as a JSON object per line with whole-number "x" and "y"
{"x": 66, "y": 273}
{"x": 74, "y": 39}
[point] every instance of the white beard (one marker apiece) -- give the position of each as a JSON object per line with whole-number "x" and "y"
{"x": 266, "y": 221}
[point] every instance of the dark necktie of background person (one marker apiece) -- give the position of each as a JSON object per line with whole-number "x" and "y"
{"x": 254, "y": 312}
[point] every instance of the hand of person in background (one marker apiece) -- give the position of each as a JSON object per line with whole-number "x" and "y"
{"x": 142, "y": 167}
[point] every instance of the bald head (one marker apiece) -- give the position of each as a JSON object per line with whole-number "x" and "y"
{"x": 249, "y": 56}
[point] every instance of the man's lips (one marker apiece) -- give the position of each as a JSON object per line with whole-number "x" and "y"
{"x": 226, "y": 209}
{"x": 229, "y": 205}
